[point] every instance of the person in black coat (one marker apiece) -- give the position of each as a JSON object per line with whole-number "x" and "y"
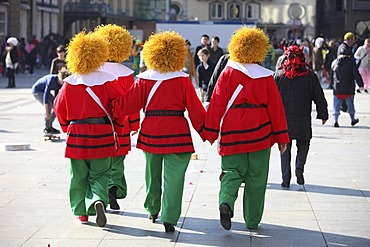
{"x": 343, "y": 75}
{"x": 299, "y": 86}
{"x": 204, "y": 71}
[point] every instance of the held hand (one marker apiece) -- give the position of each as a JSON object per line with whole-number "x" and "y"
{"x": 323, "y": 121}
{"x": 282, "y": 147}
{"x": 47, "y": 117}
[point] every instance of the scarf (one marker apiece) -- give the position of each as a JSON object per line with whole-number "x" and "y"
{"x": 294, "y": 63}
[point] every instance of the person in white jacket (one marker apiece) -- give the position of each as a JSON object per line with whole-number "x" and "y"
{"x": 363, "y": 54}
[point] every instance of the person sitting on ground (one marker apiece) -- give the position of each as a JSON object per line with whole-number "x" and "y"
{"x": 41, "y": 90}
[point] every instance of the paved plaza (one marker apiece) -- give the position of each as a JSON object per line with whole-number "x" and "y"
{"x": 331, "y": 209}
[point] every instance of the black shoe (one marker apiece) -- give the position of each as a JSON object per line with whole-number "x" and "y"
{"x": 55, "y": 130}
{"x": 113, "y": 204}
{"x": 336, "y": 125}
{"x": 366, "y": 91}
{"x": 355, "y": 121}
{"x": 169, "y": 227}
{"x": 221, "y": 176}
{"x": 300, "y": 178}
{"x": 285, "y": 184}
{"x": 51, "y": 131}
{"x": 153, "y": 217}
{"x": 358, "y": 90}
{"x": 225, "y": 216}
{"x": 101, "y": 219}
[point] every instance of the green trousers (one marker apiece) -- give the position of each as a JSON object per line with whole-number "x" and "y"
{"x": 174, "y": 168}
{"x": 89, "y": 183}
{"x": 117, "y": 176}
{"x": 253, "y": 169}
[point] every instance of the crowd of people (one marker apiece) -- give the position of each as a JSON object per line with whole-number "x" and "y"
{"x": 242, "y": 105}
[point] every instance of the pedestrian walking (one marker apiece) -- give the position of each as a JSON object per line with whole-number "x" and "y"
{"x": 247, "y": 111}
{"x": 343, "y": 75}
{"x": 299, "y": 87}
{"x": 83, "y": 113}
{"x": 204, "y": 71}
{"x": 120, "y": 41}
{"x": 59, "y": 60}
{"x": 11, "y": 60}
{"x": 164, "y": 92}
{"x": 362, "y": 54}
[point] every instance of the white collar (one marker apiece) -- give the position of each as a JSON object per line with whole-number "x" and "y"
{"x": 252, "y": 70}
{"x": 155, "y": 75}
{"x": 91, "y": 79}
{"x": 116, "y": 69}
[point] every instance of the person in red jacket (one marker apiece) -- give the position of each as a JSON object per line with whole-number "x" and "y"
{"x": 83, "y": 112}
{"x": 164, "y": 93}
{"x": 246, "y": 110}
{"x": 119, "y": 40}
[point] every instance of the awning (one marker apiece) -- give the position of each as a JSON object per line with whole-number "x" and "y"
{"x": 25, "y": 6}
{"x": 48, "y": 9}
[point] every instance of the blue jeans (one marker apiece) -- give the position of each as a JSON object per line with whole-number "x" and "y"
{"x": 351, "y": 107}
{"x": 40, "y": 98}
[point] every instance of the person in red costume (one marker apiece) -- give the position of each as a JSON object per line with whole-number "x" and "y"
{"x": 119, "y": 40}
{"x": 164, "y": 93}
{"x": 83, "y": 113}
{"x": 246, "y": 110}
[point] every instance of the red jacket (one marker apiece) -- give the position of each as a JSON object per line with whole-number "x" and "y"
{"x": 131, "y": 123}
{"x": 86, "y": 141}
{"x": 246, "y": 129}
{"x": 163, "y": 134}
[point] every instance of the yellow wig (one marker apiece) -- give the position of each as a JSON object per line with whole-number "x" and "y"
{"x": 248, "y": 45}
{"x": 119, "y": 40}
{"x": 86, "y": 53}
{"x": 165, "y": 52}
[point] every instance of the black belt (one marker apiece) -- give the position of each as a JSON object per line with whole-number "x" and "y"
{"x": 247, "y": 105}
{"x": 94, "y": 120}
{"x": 164, "y": 113}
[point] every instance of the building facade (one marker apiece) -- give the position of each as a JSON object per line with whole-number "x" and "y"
{"x": 288, "y": 19}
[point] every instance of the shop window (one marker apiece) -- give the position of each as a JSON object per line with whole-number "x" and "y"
{"x": 234, "y": 11}
{"x": 253, "y": 11}
{"x": 216, "y": 10}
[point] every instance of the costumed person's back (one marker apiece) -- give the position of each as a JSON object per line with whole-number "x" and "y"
{"x": 91, "y": 141}
{"x": 119, "y": 40}
{"x": 247, "y": 112}
{"x": 164, "y": 92}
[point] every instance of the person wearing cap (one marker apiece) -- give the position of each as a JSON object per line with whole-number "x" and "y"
{"x": 247, "y": 112}
{"x": 119, "y": 40}
{"x": 164, "y": 92}
{"x": 343, "y": 75}
{"x": 81, "y": 107}
{"x": 59, "y": 60}
{"x": 299, "y": 87}
{"x": 11, "y": 60}
{"x": 346, "y": 45}
{"x": 41, "y": 90}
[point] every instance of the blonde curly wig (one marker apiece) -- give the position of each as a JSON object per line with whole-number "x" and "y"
{"x": 248, "y": 45}
{"x": 165, "y": 52}
{"x": 119, "y": 40}
{"x": 86, "y": 53}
